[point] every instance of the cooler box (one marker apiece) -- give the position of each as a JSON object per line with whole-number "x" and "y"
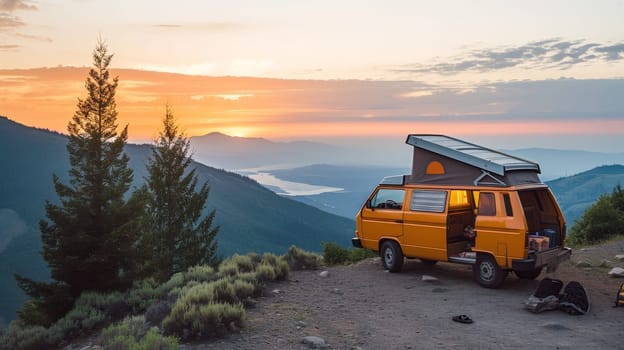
{"x": 538, "y": 242}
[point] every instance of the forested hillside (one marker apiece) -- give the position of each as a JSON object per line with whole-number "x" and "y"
{"x": 576, "y": 193}
{"x": 251, "y": 217}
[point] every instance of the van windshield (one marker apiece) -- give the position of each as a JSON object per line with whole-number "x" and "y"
{"x": 388, "y": 199}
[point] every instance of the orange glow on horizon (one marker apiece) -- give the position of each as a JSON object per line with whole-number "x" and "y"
{"x": 259, "y": 107}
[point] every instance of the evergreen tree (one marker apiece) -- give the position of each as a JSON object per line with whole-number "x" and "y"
{"x": 176, "y": 237}
{"x": 90, "y": 239}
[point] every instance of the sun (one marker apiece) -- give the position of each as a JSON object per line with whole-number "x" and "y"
{"x": 236, "y": 131}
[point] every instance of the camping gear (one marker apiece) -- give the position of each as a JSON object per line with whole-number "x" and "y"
{"x": 619, "y": 298}
{"x": 574, "y": 299}
{"x": 462, "y": 319}
{"x": 545, "y": 297}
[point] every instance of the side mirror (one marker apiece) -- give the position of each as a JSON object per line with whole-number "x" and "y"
{"x": 369, "y": 205}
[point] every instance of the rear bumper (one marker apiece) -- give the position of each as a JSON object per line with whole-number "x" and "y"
{"x": 356, "y": 242}
{"x": 551, "y": 258}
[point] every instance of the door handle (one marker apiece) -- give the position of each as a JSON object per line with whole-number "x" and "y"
{"x": 398, "y": 221}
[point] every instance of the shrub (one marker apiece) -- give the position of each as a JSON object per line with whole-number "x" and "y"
{"x": 143, "y": 294}
{"x": 228, "y": 268}
{"x": 265, "y": 273}
{"x": 132, "y": 334}
{"x": 19, "y": 336}
{"x": 599, "y": 222}
{"x": 81, "y": 319}
{"x": 299, "y": 259}
{"x": 176, "y": 282}
{"x": 359, "y": 254}
{"x": 200, "y": 273}
{"x": 203, "y": 321}
{"x": 279, "y": 263}
{"x": 334, "y": 254}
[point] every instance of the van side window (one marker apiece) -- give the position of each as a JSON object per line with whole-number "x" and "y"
{"x": 431, "y": 201}
{"x": 487, "y": 204}
{"x": 388, "y": 199}
{"x": 507, "y": 200}
{"x": 458, "y": 199}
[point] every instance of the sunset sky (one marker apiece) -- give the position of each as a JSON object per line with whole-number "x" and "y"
{"x": 507, "y": 74}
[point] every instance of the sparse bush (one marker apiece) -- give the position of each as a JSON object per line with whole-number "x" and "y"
{"x": 20, "y": 336}
{"x": 359, "y": 254}
{"x": 82, "y": 318}
{"x": 132, "y": 334}
{"x": 279, "y": 263}
{"x": 265, "y": 273}
{"x": 603, "y": 220}
{"x": 200, "y": 294}
{"x": 299, "y": 259}
{"x": 175, "y": 282}
{"x": 204, "y": 321}
{"x": 143, "y": 294}
{"x": 334, "y": 254}
{"x": 228, "y": 268}
{"x": 200, "y": 273}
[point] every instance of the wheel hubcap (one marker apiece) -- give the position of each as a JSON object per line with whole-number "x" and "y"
{"x": 487, "y": 271}
{"x": 388, "y": 256}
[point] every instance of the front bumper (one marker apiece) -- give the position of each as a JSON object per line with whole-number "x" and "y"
{"x": 356, "y": 242}
{"x": 550, "y": 258}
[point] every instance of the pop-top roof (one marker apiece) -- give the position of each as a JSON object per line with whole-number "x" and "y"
{"x": 471, "y": 154}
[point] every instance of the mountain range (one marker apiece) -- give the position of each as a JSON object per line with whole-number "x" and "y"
{"x": 234, "y": 153}
{"x": 252, "y": 218}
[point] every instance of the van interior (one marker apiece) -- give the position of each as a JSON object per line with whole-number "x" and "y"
{"x": 464, "y": 205}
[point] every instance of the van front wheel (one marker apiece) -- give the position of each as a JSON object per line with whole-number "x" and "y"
{"x": 391, "y": 256}
{"x": 487, "y": 272}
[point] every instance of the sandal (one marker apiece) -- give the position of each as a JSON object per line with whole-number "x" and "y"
{"x": 462, "y": 319}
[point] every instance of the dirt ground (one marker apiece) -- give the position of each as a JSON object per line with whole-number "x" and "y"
{"x": 364, "y": 307}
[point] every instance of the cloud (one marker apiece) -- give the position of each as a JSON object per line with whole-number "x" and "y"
{"x": 8, "y": 21}
{"x": 209, "y": 26}
{"x": 15, "y": 5}
{"x": 9, "y": 47}
{"x": 549, "y": 53}
{"x": 34, "y": 37}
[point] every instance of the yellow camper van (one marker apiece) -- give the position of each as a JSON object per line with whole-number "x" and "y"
{"x": 465, "y": 204}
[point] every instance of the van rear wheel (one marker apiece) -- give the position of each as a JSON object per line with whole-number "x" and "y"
{"x": 487, "y": 272}
{"x": 391, "y": 256}
{"x": 529, "y": 275}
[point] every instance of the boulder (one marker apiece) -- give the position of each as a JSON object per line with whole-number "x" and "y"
{"x": 314, "y": 342}
{"x": 616, "y": 272}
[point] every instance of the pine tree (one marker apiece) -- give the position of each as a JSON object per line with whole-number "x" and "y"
{"x": 90, "y": 239}
{"x": 176, "y": 237}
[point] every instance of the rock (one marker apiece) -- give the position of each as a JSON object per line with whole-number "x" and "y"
{"x": 157, "y": 312}
{"x": 301, "y": 324}
{"x": 605, "y": 263}
{"x": 583, "y": 263}
{"x": 276, "y": 291}
{"x": 616, "y": 272}
{"x": 324, "y": 273}
{"x": 427, "y": 278}
{"x": 337, "y": 291}
{"x": 619, "y": 257}
{"x": 314, "y": 342}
